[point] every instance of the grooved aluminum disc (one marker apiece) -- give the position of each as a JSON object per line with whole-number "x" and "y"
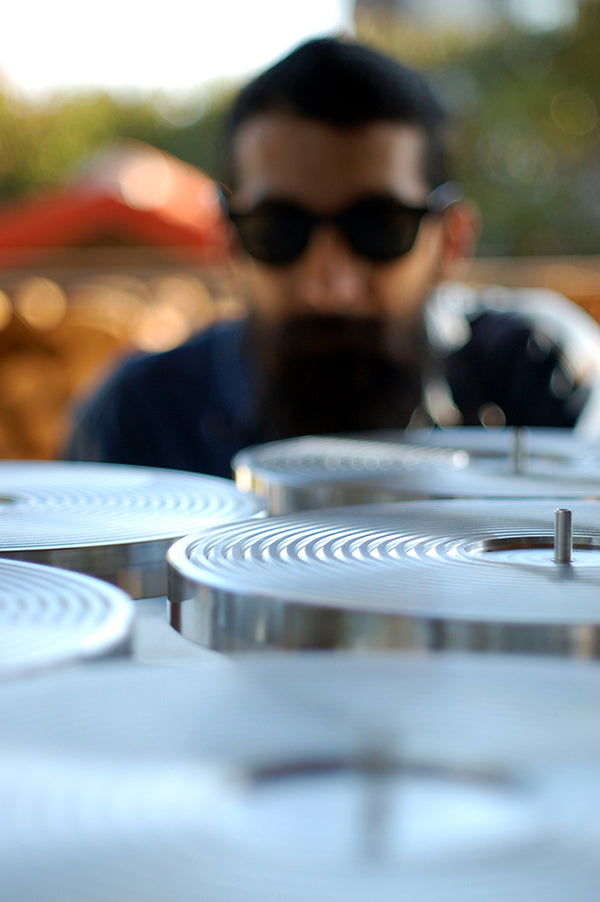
{"x": 447, "y": 779}
{"x": 444, "y": 574}
{"x": 50, "y": 616}
{"x": 109, "y": 520}
{"x": 326, "y": 471}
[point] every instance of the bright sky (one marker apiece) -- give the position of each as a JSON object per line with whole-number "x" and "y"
{"x": 174, "y": 45}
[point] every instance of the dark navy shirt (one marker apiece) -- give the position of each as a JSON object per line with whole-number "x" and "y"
{"x": 191, "y": 408}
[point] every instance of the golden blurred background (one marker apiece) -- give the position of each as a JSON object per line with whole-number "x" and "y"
{"x": 60, "y": 337}
{"x": 60, "y": 333}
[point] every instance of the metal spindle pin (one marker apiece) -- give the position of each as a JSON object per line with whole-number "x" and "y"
{"x": 518, "y": 450}
{"x": 563, "y": 536}
{"x": 377, "y": 767}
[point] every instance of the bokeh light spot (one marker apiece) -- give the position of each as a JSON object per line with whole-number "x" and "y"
{"x": 147, "y": 183}
{"x": 543, "y": 15}
{"x": 160, "y": 327}
{"x": 40, "y": 302}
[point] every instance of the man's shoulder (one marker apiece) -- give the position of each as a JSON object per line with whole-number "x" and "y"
{"x": 492, "y": 315}
{"x": 149, "y": 410}
{"x": 187, "y": 360}
{"x": 532, "y": 353}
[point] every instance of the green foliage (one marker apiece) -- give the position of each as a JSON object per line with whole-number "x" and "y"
{"x": 197, "y": 140}
{"x": 527, "y": 138}
{"x": 529, "y": 147}
{"x": 41, "y": 144}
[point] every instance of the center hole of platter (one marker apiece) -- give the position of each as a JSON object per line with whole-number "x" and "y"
{"x": 340, "y": 812}
{"x": 537, "y": 550}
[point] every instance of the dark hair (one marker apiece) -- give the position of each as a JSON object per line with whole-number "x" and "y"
{"x": 344, "y": 84}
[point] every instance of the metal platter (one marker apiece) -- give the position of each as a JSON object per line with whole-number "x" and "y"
{"x": 304, "y": 778}
{"x": 327, "y": 471}
{"x": 50, "y": 616}
{"x": 533, "y": 451}
{"x": 450, "y": 574}
{"x": 112, "y": 521}
{"x": 542, "y": 449}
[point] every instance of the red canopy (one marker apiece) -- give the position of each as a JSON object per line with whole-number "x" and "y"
{"x": 130, "y": 194}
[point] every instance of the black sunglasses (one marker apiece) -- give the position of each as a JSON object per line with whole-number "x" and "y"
{"x": 378, "y": 227}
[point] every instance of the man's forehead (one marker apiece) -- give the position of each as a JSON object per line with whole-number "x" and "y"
{"x": 322, "y": 165}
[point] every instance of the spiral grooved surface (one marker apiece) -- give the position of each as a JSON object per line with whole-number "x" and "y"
{"x": 491, "y": 561}
{"x": 50, "y": 616}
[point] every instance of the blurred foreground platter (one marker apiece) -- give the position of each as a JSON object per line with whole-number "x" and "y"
{"x": 305, "y": 778}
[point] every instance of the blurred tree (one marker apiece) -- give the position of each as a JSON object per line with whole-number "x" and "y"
{"x": 527, "y": 140}
{"x": 194, "y": 130}
{"x": 40, "y": 144}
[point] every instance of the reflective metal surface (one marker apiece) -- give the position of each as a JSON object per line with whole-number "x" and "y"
{"x": 545, "y": 449}
{"x": 107, "y": 520}
{"x": 304, "y": 778}
{"x": 50, "y": 616}
{"x": 478, "y": 575}
{"x": 325, "y": 471}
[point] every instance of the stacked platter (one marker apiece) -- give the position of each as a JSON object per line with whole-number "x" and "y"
{"x": 51, "y": 617}
{"x": 322, "y": 775}
{"x": 481, "y": 575}
{"x": 111, "y": 521}
{"x": 326, "y": 471}
{"x": 304, "y": 779}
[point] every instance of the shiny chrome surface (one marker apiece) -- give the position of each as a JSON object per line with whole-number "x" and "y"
{"x": 476, "y": 575}
{"x": 50, "y": 616}
{"x": 260, "y": 780}
{"x": 107, "y": 520}
{"x": 326, "y": 471}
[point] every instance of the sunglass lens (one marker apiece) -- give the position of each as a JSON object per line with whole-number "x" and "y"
{"x": 275, "y": 234}
{"x": 381, "y": 229}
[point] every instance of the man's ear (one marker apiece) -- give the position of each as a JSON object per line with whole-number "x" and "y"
{"x": 462, "y": 224}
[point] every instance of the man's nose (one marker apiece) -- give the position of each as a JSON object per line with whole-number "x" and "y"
{"x": 331, "y": 277}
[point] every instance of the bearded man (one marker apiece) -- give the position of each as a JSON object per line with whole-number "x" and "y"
{"x": 344, "y": 222}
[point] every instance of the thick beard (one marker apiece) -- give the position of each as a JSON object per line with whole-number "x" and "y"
{"x": 330, "y": 374}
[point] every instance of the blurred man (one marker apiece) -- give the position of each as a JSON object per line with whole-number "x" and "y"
{"x": 343, "y": 222}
